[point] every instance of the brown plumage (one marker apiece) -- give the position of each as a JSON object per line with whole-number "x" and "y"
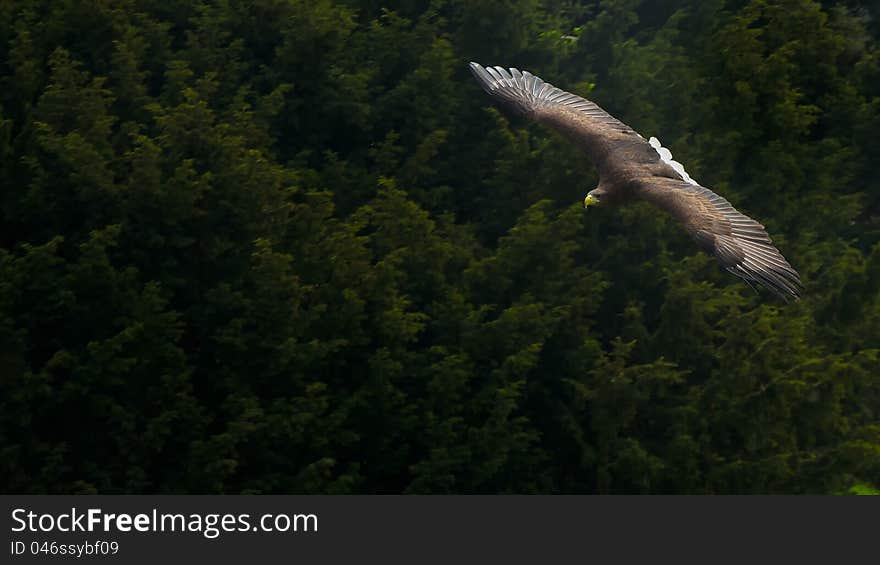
{"x": 632, "y": 168}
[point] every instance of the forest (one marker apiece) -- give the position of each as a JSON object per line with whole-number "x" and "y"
{"x": 290, "y": 246}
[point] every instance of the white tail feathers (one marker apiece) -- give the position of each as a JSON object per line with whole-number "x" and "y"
{"x": 666, "y": 157}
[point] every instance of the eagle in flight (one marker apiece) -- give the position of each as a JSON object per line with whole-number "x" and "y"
{"x": 631, "y": 168}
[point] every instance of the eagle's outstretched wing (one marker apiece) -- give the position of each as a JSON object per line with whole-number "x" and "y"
{"x": 738, "y": 242}
{"x": 611, "y": 145}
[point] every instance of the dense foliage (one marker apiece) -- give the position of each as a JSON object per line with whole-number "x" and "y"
{"x": 289, "y": 246}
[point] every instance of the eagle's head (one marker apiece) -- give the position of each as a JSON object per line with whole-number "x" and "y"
{"x": 594, "y": 198}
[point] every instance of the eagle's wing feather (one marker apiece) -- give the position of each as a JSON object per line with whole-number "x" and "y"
{"x": 610, "y": 144}
{"x": 738, "y": 242}
{"x": 526, "y": 93}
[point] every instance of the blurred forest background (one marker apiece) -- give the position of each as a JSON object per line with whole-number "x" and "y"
{"x": 288, "y": 246}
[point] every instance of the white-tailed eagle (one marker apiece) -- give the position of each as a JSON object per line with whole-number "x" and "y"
{"x": 632, "y": 168}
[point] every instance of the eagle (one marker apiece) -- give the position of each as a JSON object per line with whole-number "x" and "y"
{"x": 632, "y": 168}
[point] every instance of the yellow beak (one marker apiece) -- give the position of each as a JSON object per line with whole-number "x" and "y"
{"x": 590, "y": 201}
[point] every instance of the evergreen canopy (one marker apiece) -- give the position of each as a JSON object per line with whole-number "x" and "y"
{"x": 254, "y": 246}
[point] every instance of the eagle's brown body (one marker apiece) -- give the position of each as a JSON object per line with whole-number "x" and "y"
{"x": 632, "y": 168}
